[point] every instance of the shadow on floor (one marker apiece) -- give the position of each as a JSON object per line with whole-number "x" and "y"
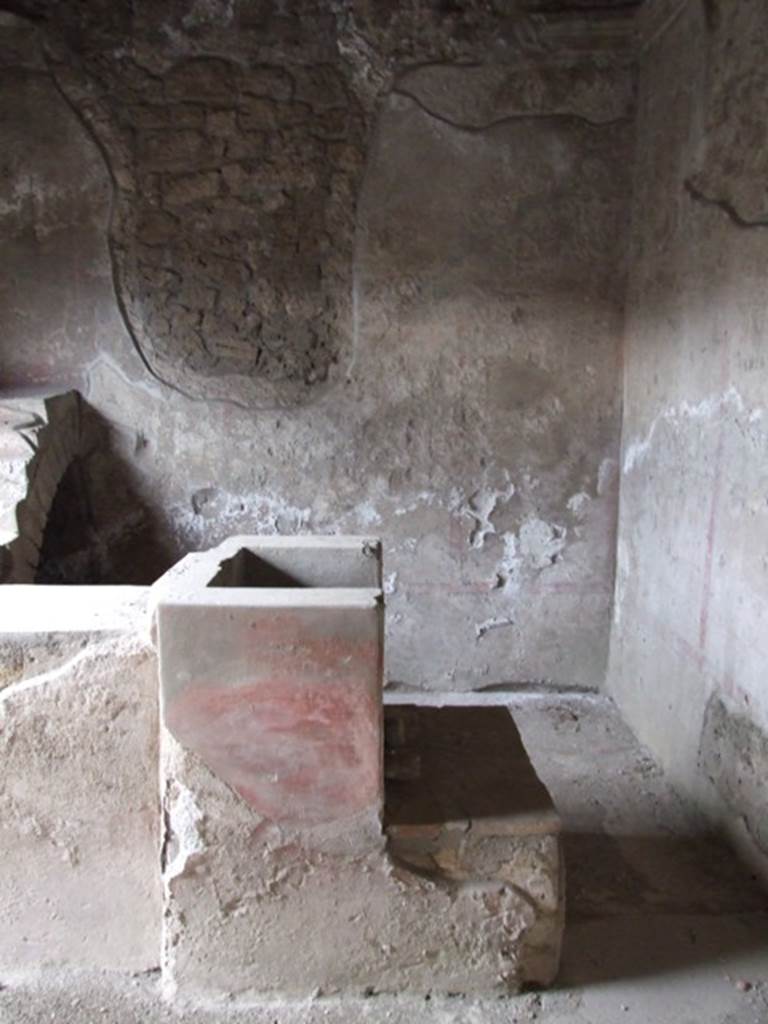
{"x": 653, "y": 905}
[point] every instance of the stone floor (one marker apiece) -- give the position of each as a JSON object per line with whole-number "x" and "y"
{"x": 663, "y": 926}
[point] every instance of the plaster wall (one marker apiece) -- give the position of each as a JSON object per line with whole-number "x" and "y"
{"x": 690, "y": 631}
{"x": 349, "y": 270}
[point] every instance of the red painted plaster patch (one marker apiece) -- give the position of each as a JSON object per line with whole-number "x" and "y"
{"x": 297, "y": 751}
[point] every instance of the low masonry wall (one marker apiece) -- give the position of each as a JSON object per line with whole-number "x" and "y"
{"x": 242, "y": 858}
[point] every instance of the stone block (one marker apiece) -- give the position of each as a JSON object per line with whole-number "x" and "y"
{"x": 42, "y": 611}
{"x": 38, "y": 441}
{"x": 25, "y": 656}
{"x": 267, "y": 81}
{"x": 254, "y": 911}
{"x": 271, "y": 672}
{"x": 463, "y": 894}
{"x": 221, "y": 123}
{"x": 79, "y": 875}
{"x": 279, "y": 880}
{"x": 177, "y": 150}
{"x": 201, "y": 78}
{"x": 190, "y": 188}
{"x": 44, "y": 627}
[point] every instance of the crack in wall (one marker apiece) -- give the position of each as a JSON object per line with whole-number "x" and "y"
{"x": 472, "y": 129}
{"x": 725, "y": 206}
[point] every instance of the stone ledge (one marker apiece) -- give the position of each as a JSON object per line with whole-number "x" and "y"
{"x": 470, "y": 774}
{"x": 42, "y": 626}
{"x": 27, "y": 608}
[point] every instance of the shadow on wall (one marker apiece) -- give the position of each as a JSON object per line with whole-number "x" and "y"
{"x": 99, "y": 530}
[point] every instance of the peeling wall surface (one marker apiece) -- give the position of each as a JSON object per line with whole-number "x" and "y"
{"x": 487, "y": 289}
{"x": 690, "y": 633}
{"x": 343, "y": 267}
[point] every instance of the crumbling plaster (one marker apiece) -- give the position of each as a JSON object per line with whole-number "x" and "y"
{"x": 344, "y": 293}
{"x": 688, "y": 649}
{"x": 242, "y": 894}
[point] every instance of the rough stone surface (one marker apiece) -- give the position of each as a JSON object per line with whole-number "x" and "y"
{"x": 465, "y": 804}
{"x": 24, "y": 657}
{"x": 236, "y": 148}
{"x": 255, "y": 909}
{"x": 253, "y": 195}
{"x": 690, "y": 633}
{"x": 43, "y": 628}
{"x": 663, "y": 924}
{"x": 69, "y": 510}
{"x": 493, "y": 490}
{"x": 234, "y": 219}
{"x": 734, "y": 758}
{"x": 39, "y": 441}
{"x": 79, "y": 876}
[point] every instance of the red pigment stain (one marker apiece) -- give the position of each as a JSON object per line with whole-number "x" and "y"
{"x": 297, "y": 752}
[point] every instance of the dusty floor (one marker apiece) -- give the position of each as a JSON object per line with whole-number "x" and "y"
{"x": 663, "y": 926}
